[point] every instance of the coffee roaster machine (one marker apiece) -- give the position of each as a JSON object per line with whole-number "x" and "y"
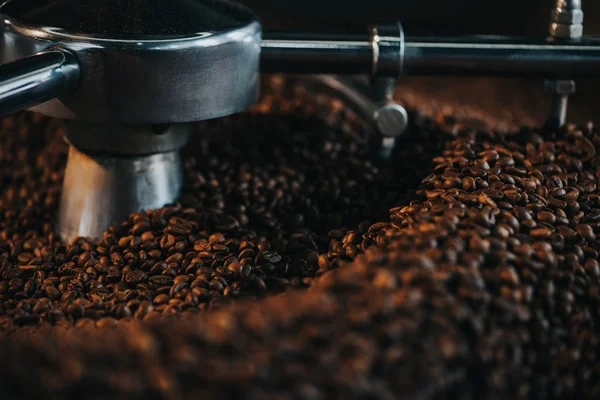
{"x": 129, "y": 77}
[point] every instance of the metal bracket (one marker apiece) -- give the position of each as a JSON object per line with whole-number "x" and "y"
{"x": 391, "y": 119}
{"x": 566, "y": 23}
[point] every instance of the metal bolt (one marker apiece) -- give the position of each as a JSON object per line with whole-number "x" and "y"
{"x": 565, "y": 31}
{"x": 568, "y": 4}
{"x": 564, "y": 87}
{"x": 560, "y": 99}
{"x": 391, "y": 120}
{"x": 567, "y": 17}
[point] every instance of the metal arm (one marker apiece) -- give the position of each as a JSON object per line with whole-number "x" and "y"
{"x": 380, "y": 54}
{"x": 477, "y": 55}
{"x": 317, "y": 54}
{"x": 36, "y": 79}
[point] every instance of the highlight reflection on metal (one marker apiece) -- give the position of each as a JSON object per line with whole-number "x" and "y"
{"x": 99, "y": 190}
{"x": 499, "y": 56}
{"x": 37, "y": 79}
{"x": 472, "y": 56}
{"x": 332, "y": 55}
{"x": 114, "y": 170}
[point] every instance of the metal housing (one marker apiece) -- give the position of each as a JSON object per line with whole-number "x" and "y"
{"x": 148, "y": 77}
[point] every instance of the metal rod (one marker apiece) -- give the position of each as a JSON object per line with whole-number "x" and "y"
{"x": 317, "y": 54}
{"x": 558, "y": 110}
{"x": 469, "y": 56}
{"x": 501, "y": 57}
{"x": 36, "y": 79}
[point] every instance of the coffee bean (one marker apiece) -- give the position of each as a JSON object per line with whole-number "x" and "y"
{"x": 586, "y": 232}
{"x": 134, "y": 277}
{"x": 468, "y": 184}
{"x": 528, "y": 184}
{"x": 546, "y": 216}
{"x": 161, "y": 280}
{"x": 161, "y": 299}
{"x": 52, "y": 292}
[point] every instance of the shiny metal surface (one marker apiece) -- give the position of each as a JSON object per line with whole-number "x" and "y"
{"x": 501, "y": 56}
{"x": 116, "y": 169}
{"x": 568, "y": 5}
{"x": 391, "y": 119}
{"x": 36, "y": 79}
{"x": 558, "y": 110}
{"x": 373, "y": 103}
{"x": 388, "y": 50}
{"x": 560, "y": 90}
{"x": 470, "y": 56}
{"x": 379, "y": 54}
{"x": 150, "y": 74}
{"x": 100, "y": 190}
{"x": 315, "y": 54}
{"x": 566, "y": 21}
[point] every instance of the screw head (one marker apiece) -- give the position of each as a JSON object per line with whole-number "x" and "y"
{"x": 391, "y": 119}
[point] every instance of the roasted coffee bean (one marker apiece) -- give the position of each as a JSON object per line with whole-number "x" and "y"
{"x": 161, "y": 299}
{"x": 468, "y": 184}
{"x": 546, "y": 216}
{"x": 134, "y": 277}
{"x": 586, "y": 232}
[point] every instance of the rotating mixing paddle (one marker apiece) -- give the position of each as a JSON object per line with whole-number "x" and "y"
{"x": 130, "y": 75}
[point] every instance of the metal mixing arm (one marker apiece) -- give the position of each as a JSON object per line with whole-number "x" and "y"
{"x": 466, "y": 56}
{"x": 36, "y": 79}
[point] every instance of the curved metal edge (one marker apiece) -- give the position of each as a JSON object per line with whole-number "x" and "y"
{"x": 352, "y": 91}
{"x": 206, "y": 39}
{"x": 36, "y": 79}
{"x": 195, "y": 78}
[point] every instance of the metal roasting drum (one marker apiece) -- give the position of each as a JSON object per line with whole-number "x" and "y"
{"x": 129, "y": 76}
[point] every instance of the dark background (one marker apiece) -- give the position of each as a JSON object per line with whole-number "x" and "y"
{"x": 520, "y": 102}
{"x": 522, "y": 17}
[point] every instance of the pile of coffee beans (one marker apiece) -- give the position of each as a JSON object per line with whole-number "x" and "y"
{"x": 265, "y": 194}
{"x": 482, "y": 279}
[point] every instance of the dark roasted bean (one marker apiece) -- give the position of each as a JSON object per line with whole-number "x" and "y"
{"x": 134, "y": 277}
{"x": 586, "y": 232}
